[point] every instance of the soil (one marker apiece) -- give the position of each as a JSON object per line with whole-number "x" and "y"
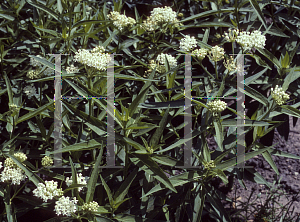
{"x": 289, "y": 170}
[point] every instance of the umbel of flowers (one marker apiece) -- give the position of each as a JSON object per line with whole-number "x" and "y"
{"x": 188, "y": 43}
{"x": 37, "y": 72}
{"x": 80, "y": 180}
{"x": 11, "y": 172}
{"x": 246, "y": 39}
{"x": 160, "y": 16}
{"x": 95, "y": 58}
{"x": 216, "y": 106}
{"x": 160, "y": 63}
{"x": 279, "y": 95}
{"x": 121, "y": 21}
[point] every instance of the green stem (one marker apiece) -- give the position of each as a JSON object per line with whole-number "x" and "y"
{"x": 8, "y": 207}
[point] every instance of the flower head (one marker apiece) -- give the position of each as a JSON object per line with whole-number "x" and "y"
{"x": 47, "y": 191}
{"x": 64, "y": 206}
{"x": 216, "y": 106}
{"x": 188, "y": 43}
{"x": 230, "y": 64}
{"x": 80, "y": 180}
{"x": 279, "y": 95}
{"x": 72, "y": 69}
{"x": 160, "y": 62}
{"x": 11, "y": 164}
{"x": 13, "y": 107}
{"x": 33, "y": 74}
{"x": 92, "y": 206}
{"x": 30, "y": 90}
{"x": 36, "y": 63}
{"x": 94, "y": 58}
{"x": 13, "y": 175}
{"x": 248, "y": 41}
{"x": 47, "y": 161}
{"x": 160, "y": 16}
{"x": 232, "y": 34}
{"x": 121, "y": 21}
{"x": 216, "y": 53}
{"x": 200, "y": 53}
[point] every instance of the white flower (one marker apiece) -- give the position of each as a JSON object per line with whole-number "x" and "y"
{"x": 72, "y": 69}
{"x": 216, "y": 106}
{"x": 188, "y": 43}
{"x": 161, "y": 62}
{"x": 248, "y": 41}
{"x": 216, "y": 53}
{"x": 121, "y": 21}
{"x": 231, "y": 35}
{"x": 230, "y": 64}
{"x": 64, "y": 206}
{"x": 15, "y": 175}
{"x": 80, "y": 180}
{"x": 33, "y": 74}
{"x": 11, "y": 164}
{"x": 48, "y": 191}
{"x": 160, "y": 16}
{"x": 200, "y": 53}
{"x": 30, "y": 90}
{"x": 47, "y": 161}
{"x": 92, "y": 206}
{"x": 97, "y": 60}
{"x": 279, "y": 95}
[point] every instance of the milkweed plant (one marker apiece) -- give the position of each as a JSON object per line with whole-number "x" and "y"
{"x": 149, "y": 48}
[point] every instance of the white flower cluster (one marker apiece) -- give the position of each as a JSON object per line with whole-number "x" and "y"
{"x": 11, "y": 164}
{"x": 97, "y": 59}
{"x": 232, "y": 34}
{"x": 47, "y": 161}
{"x": 13, "y": 107}
{"x": 279, "y": 95}
{"x": 161, "y": 62}
{"x": 121, "y": 21}
{"x": 33, "y": 74}
{"x": 230, "y": 64}
{"x": 48, "y": 191}
{"x": 216, "y": 53}
{"x": 248, "y": 41}
{"x": 92, "y": 206}
{"x": 15, "y": 175}
{"x": 187, "y": 43}
{"x": 30, "y": 91}
{"x": 80, "y": 180}
{"x": 216, "y": 106}
{"x": 200, "y": 53}
{"x": 36, "y": 63}
{"x": 160, "y": 16}
{"x": 72, "y": 69}
{"x": 64, "y": 206}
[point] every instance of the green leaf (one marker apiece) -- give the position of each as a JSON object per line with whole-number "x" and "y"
{"x": 177, "y": 180}
{"x": 254, "y": 77}
{"x": 156, "y": 170}
{"x": 269, "y": 159}
{"x": 259, "y": 12}
{"x": 34, "y": 113}
{"x": 134, "y": 144}
{"x": 233, "y": 161}
{"x": 252, "y": 93}
{"x": 289, "y": 110}
{"x": 52, "y": 32}
{"x": 133, "y": 218}
{"x": 89, "y": 22}
{"x": 108, "y": 191}
{"x": 120, "y": 76}
{"x": 8, "y": 17}
{"x": 206, "y": 14}
{"x": 45, "y": 9}
{"x": 87, "y": 145}
{"x": 159, "y": 131}
{"x": 260, "y": 62}
{"x": 285, "y": 62}
{"x": 31, "y": 175}
{"x": 248, "y": 122}
{"x": 59, "y": 6}
{"x": 209, "y": 24}
{"x": 133, "y": 107}
{"x": 270, "y": 56}
{"x": 123, "y": 189}
{"x": 219, "y": 133}
{"x": 9, "y": 89}
{"x": 291, "y": 77}
{"x": 91, "y": 185}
